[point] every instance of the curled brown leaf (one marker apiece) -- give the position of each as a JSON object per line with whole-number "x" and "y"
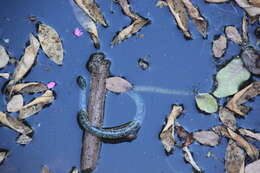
{"x": 30, "y": 87}
{"x": 250, "y": 134}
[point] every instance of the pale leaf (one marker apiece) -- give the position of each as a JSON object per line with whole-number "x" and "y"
{"x": 250, "y": 134}
{"x": 233, "y": 34}
{"x": 118, "y": 84}
{"x": 188, "y": 157}
{"x": 31, "y": 87}
{"x": 4, "y": 57}
{"x": 219, "y": 46}
{"x": 253, "y": 167}
{"x": 15, "y": 103}
{"x": 206, "y": 138}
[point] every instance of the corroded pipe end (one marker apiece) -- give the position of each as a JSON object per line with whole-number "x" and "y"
{"x": 97, "y": 63}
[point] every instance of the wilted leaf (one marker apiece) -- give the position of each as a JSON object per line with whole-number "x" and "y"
{"x": 51, "y": 43}
{"x": 233, "y": 34}
{"x": 245, "y": 29}
{"x": 230, "y": 78}
{"x": 251, "y": 59}
{"x": 185, "y": 136}
{"x": 13, "y": 123}
{"x": 206, "y": 138}
{"x": 167, "y": 134}
{"x": 206, "y": 103}
{"x": 31, "y": 87}
{"x": 27, "y": 61}
{"x": 130, "y": 30}
{"x": 250, "y": 134}
{"x": 36, "y": 105}
{"x": 127, "y": 11}
{"x": 188, "y": 157}
{"x": 3, "y": 155}
{"x": 253, "y": 167}
{"x": 15, "y": 103}
{"x": 227, "y": 118}
{"x": 92, "y": 10}
{"x": 217, "y": 1}
{"x": 4, "y": 57}
{"x": 234, "y": 158}
{"x": 243, "y": 96}
{"x": 250, "y": 9}
{"x": 118, "y": 85}
{"x": 23, "y": 140}
{"x": 200, "y": 22}
{"x": 178, "y": 10}
{"x": 45, "y": 169}
{"x": 4, "y": 75}
{"x": 161, "y": 3}
{"x": 219, "y": 46}
{"x": 251, "y": 150}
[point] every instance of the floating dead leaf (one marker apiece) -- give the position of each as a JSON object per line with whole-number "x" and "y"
{"x": 50, "y": 43}
{"x": 234, "y": 158}
{"x": 206, "y": 103}
{"x": 219, "y": 46}
{"x": 13, "y": 123}
{"x": 233, "y": 34}
{"x": 230, "y": 77}
{"x": 4, "y": 57}
{"x": 251, "y": 59}
{"x": 45, "y": 169}
{"x": 23, "y": 140}
{"x": 31, "y": 87}
{"x": 36, "y": 105}
{"x": 200, "y": 22}
{"x": 206, "y": 138}
{"x": 167, "y": 134}
{"x": 243, "y": 96}
{"x": 245, "y": 29}
{"x": 74, "y": 170}
{"x": 3, "y": 155}
{"x": 188, "y": 157}
{"x": 185, "y": 136}
{"x": 227, "y": 118}
{"x": 253, "y": 167}
{"x": 118, "y": 85}
{"x": 127, "y": 9}
{"x": 179, "y": 12}
{"x": 250, "y": 134}
{"x": 92, "y": 10}
{"x": 15, "y": 103}
{"x": 130, "y": 30}
{"x": 161, "y": 3}
{"x": 251, "y": 10}
{"x": 251, "y": 150}
{"x": 217, "y": 1}
{"x": 4, "y": 75}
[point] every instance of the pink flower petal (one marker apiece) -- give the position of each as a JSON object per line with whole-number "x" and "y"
{"x": 78, "y": 32}
{"x": 51, "y": 85}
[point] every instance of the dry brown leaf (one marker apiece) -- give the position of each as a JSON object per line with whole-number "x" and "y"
{"x": 243, "y": 96}
{"x": 13, "y": 123}
{"x": 227, "y": 118}
{"x": 250, "y": 134}
{"x": 161, "y": 3}
{"x": 36, "y": 105}
{"x": 251, "y": 150}
{"x": 206, "y": 138}
{"x": 4, "y": 57}
{"x": 27, "y": 61}
{"x": 31, "y": 87}
{"x": 127, "y": 10}
{"x": 23, "y": 140}
{"x": 50, "y": 43}
{"x": 92, "y": 10}
{"x": 185, "y": 136}
{"x": 130, "y": 30}
{"x": 217, "y": 1}
{"x": 233, "y": 34}
{"x": 219, "y": 46}
{"x": 3, "y": 155}
{"x": 167, "y": 134}
{"x": 253, "y": 167}
{"x": 118, "y": 84}
{"x": 234, "y": 158}
{"x": 4, "y": 75}
{"x": 45, "y": 169}
{"x": 251, "y": 10}
{"x": 188, "y": 157}
{"x": 245, "y": 29}
{"x": 15, "y": 103}
{"x": 200, "y": 22}
{"x": 178, "y": 10}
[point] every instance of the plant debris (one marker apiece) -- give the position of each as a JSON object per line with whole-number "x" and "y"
{"x": 253, "y": 167}
{"x": 206, "y": 103}
{"x": 36, "y": 105}
{"x": 143, "y": 64}
{"x": 4, "y": 57}
{"x": 185, "y": 136}
{"x": 45, "y": 169}
{"x": 219, "y": 46}
{"x": 118, "y": 85}
{"x": 15, "y": 104}
{"x": 243, "y": 96}
{"x": 167, "y": 134}
{"x": 161, "y": 3}
{"x": 249, "y": 133}
{"x": 23, "y": 139}
{"x": 230, "y": 77}
{"x": 188, "y": 157}
{"x": 245, "y": 29}
{"x": 13, "y": 123}
{"x": 3, "y": 155}
{"x": 227, "y": 118}
{"x": 5, "y": 75}
{"x": 51, "y": 43}
{"x": 31, "y": 87}
{"x": 206, "y": 138}
{"x": 233, "y": 34}
{"x": 251, "y": 59}
{"x": 251, "y": 10}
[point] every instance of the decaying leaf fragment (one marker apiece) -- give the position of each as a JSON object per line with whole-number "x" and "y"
{"x": 251, "y": 59}
{"x": 243, "y": 96}
{"x": 3, "y": 155}
{"x": 217, "y": 1}
{"x": 227, "y": 118}
{"x": 185, "y": 136}
{"x": 233, "y": 34}
{"x": 167, "y": 134}
{"x": 15, "y": 103}
{"x": 50, "y": 43}
{"x": 127, "y": 9}
{"x": 92, "y": 10}
{"x": 13, "y": 123}
{"x": 253, "y": 167}
{"x": 206, "y": 138}
{"x": 27, "y": 61}
{"x": 4, "y": 75}
{"x": 36, "y": 105}
{"x": 23, "y": 139}
{"x": 4, "y": 57}
{"x": 188, "y": 157}
{"x": 118, "y": 85}
{"x": 206, "y": 103}
{"x": 250, "y": 9}
{"x": 245, "y": 29}
{"x": 251, "y": 150}
{"x": 45, "y": 169}
{"x": 234, "y": 158}
{"x": 219, "y": 46}
{"x": 31, "y": 87}
{"x": 250, "y": 134}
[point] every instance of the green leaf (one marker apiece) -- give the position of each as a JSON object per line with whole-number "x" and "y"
{"x": 206, "y": 103}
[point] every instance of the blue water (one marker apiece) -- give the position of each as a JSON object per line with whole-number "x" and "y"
{"x": 175, "y": 63}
